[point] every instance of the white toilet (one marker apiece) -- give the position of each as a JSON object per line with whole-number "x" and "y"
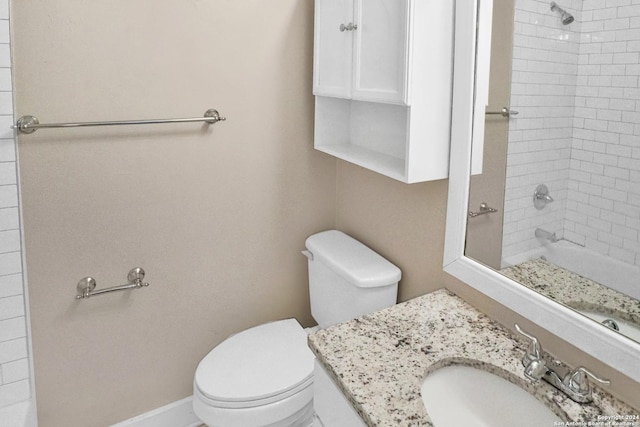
{"x": 263, "y": 376}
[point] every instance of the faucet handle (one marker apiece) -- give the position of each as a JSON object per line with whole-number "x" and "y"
{"x": 577, "y": 381}
{"x": 534, "y": 350}
{"x": 535, "y": 367}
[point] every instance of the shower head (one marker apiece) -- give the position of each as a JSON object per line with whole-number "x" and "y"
{"x": 565, "y": 16}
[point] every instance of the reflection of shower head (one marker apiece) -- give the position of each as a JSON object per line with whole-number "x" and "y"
{"x": 565, "y": 16}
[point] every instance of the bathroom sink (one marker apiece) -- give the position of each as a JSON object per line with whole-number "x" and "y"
{"x": 459, "y": 395}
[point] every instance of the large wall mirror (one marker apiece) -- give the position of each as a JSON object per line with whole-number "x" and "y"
{"x": 544, "y": 196}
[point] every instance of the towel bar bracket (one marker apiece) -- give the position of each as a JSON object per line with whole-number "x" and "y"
{"x": 25, "y": 124}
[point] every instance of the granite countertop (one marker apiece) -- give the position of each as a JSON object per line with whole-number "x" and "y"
{"x": 574, "y": 290}
{"x": 380, "y": 360}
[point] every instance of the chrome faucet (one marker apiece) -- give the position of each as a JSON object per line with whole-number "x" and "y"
{"x": 574, "y": 383}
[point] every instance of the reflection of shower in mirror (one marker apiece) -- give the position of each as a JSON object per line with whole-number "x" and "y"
{"x": 577, "y": 132}
{"x": 546, "y": 235}
{"x": 541, "y": 197}
{"x": 565, "y": 16}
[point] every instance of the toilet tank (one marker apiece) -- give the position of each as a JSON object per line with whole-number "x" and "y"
{"x": 347, "y": 279}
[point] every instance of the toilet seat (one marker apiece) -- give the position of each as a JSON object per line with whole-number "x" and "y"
{"x": 262, "y": 365}
{"x": 245, "y": 404}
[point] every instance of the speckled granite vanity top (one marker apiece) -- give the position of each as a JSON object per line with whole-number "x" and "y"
{"x": 573, "y": 290}
{"x": 380, "y": 360}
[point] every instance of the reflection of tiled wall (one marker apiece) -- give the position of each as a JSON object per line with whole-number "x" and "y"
{"x": 545, "y": 62}
{"x": 580, "y": 123}
{"x": 14, "y": 363}
{"x": 603, "y": 209}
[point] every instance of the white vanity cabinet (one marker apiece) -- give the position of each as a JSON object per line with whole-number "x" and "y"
{"x": 382, "y": 79}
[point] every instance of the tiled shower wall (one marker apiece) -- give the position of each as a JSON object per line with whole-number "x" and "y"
{"x": 603, "y": 209}
{"x": 579, "y": 127}
{"x": 545, "y": 65}
{"x": 14, "y": 362}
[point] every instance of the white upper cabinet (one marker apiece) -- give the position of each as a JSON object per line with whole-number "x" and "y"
{"x": 361, "y": 50}
{"x": 333, "y": 48}
{"x": 382, "y": 78}
{"x": 380, "y": 59}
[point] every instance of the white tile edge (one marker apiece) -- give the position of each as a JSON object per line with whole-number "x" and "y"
{"x": 176, "y": 414}
{"x": 21, "y": 414}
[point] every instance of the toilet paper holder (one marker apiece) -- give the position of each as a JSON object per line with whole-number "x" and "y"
{"x": 87, "y": 285}
{"x": 484, "y": 209}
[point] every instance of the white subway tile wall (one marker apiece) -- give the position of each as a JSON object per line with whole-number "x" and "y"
{"x": 545, "y": 65}
{"x": 603, "y": 208}
{"x": 14, "y": 357}
{"x": 576, "y": 87}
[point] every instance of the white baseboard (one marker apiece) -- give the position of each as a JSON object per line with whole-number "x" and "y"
{"x": 176, "y": 414}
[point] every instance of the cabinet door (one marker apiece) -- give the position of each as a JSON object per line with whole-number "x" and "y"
{"x": 381, "y": 49}
{"x": 333, "y": 48}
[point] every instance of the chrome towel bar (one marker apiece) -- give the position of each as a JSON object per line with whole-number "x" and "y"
{"x": 86, "y": 285}
{"x": 504, "y": 112}
{"x": 30, "y": 124}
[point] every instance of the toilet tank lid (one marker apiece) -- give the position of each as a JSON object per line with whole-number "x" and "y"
{"x": 352, "y": 260}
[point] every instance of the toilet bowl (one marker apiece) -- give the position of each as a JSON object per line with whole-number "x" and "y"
{"x": 260, "y": 377}
{"x": 264, "y": 376}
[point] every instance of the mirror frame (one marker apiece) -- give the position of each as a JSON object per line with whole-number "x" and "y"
{"x": 611, "y": 348}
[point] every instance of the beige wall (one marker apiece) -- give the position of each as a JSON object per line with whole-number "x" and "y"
{"x": 404, "y": 223}
{"x": 216, "y": 216}
{"x": 484, "y": 233}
